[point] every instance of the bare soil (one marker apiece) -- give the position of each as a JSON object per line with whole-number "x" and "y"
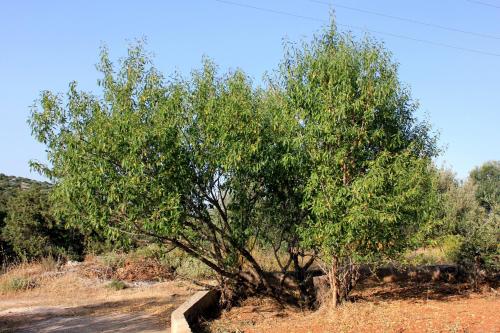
{"x": 375, "y": 307}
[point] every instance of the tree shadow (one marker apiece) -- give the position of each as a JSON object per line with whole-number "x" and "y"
{"x": 411, "y": 291}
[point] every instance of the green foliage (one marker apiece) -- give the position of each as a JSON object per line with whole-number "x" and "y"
{"x": 486, "y": 178}
{"x": 9, "y": 187}
{"x": 369, "y": 185}
{"x": 117, "y": 285}
{"x": 327, "y": 157}
{"x": 480, "y": 246}
{"x": 168, "y": 162}
{"x": 470, "y": 220}
{"x": 32, "y": 230}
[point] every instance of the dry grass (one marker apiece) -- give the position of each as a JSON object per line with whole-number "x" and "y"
{"x": 26, "y": 276}
{"x": 62, "y": 291}
{"x": 55, "y": 284}
{"x": 70, "y": 289}
{"x": 389, "y": 307}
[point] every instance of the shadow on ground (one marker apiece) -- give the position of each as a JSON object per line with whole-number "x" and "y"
{"x": 413, "y": 291}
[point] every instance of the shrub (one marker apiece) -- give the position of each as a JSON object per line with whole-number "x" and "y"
{"x": 117, "y": 285}
{"x": 479, "y": 251}
{"x": 451, "y": 245}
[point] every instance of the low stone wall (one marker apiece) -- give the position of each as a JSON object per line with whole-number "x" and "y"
{"x": 202, "y": 303}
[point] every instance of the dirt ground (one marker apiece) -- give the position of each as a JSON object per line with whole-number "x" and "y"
{"x": 79, "y": 299}
{"x": 67, "y": 302}
{"x": 376, "y": 307}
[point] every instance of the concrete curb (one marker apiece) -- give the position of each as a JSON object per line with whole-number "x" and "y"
{"x": 201, "y": 302}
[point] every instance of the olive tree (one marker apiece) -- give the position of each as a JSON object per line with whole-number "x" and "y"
{"x": 470, "y": 217}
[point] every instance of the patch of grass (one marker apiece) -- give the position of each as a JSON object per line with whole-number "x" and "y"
{"x": 265, "y": 257}
{"x": 16, "y": 283}
{"x": 451, "y": 244}
{"x": 176, "y": 260}
{"x": 117, "y": 285}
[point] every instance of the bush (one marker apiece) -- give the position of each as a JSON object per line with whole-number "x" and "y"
{"x": 117, "y": 285}
{"x": 479, "y": 251}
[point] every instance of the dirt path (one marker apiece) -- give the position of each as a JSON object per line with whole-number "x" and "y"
{"x": 72, "y": 307}
{"x": 54, "y": 319}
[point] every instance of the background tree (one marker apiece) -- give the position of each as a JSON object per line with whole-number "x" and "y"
{"x": 9, "y": 188}
{"x": 469, "y": 221}
{"x": 33, "y": 232}
{"x": 487, "y": 181}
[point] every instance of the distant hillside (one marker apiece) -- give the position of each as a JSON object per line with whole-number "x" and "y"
{"x": 10, "y": 184}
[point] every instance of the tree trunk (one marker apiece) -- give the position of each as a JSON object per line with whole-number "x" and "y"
{"x": 334, "y": 282}
{"x": 343, "y": 274}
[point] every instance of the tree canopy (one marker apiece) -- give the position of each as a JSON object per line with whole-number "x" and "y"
{"x": 327, "y": 158}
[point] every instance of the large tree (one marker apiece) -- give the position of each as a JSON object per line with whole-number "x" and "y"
{"x": 369, "y": 186}
{"x": 327, "y": 157}
{"x": 177, "y": 162}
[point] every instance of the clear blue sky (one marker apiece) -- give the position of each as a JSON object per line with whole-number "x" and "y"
{"x": 46, "y": 44}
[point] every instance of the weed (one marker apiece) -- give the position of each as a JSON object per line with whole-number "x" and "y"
{"x": 117, "y": 285}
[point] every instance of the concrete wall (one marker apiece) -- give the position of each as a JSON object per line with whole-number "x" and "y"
{"x": 200, "y": 304}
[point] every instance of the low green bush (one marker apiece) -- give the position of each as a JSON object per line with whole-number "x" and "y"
{"x": 117, "y": 285}
{"x": 450, "y": 245}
